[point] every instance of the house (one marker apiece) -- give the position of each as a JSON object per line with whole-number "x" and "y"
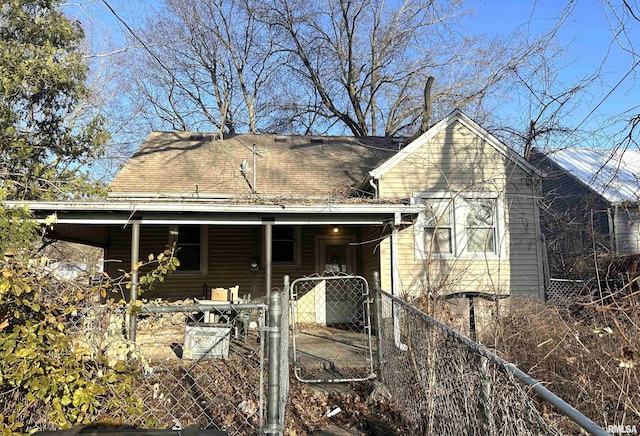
{"x": 453, "y": 211}
{"x": 591, "y": 203}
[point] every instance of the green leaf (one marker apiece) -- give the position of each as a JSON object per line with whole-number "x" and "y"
{"x": 25, "y": 353}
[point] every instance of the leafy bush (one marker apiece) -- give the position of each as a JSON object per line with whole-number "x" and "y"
{"x": 55, "y": 372}
{"x": 45, "y": 380}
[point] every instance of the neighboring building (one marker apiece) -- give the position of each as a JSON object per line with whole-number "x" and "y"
{"x": 453, "y": 211}
{"x": 591, "y": 203}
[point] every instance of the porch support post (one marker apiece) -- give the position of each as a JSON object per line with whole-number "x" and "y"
{"x": 395, "y": 282}
{"x": 133, "y": 296}
{"x": 395, "y": 274}
{"x": 268, "y": 237}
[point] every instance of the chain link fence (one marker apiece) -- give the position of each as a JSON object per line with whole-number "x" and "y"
{"x": 225, "y": 366}
{"x": 197, "y": 364}
{"x": 331, "y": 329}
{"x": 443, "y": 383}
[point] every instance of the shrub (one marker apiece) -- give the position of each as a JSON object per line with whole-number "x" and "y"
{"x": 54, "y": 374}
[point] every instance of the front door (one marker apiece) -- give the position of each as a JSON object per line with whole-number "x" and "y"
{"x": 335, "y": 254}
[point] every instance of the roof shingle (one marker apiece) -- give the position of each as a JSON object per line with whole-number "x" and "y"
{"x": 298, "y": 166}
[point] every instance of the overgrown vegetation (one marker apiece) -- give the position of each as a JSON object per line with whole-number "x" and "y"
{"x": 585, "y": 352}
{"x": 54, "y": 375}
{"x": 47, "y": 380}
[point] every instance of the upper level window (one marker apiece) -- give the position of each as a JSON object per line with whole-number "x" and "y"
{"x": 458, "y": 226}
{"x": 481, "y": 225}
{"x": 189, "y": 248}
{"x": 438, "y": 221}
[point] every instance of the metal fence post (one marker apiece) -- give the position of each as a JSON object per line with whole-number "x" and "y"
{"x": 377, "y": 307}
{"x": 133, "y": 295}
{"x": 273, "y": 394}
{"x": 284, "y": 351}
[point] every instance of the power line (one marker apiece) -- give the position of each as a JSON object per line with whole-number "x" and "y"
{"x": 144, "y": 45}
{"x": 607, "y": 96}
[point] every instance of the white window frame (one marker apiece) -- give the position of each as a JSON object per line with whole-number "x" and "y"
{"x": 459, "y": 237}
{"x": 424, "y": 222}
{"x": 173, "y": 233}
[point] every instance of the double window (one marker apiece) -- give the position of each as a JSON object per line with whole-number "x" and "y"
{"x": 458, "y": 226}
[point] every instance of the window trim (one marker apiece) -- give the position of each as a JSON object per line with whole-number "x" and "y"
{"x": 424, "y": 225}
{"x": 459, "y": 234}
{"x": 204, "y": 248}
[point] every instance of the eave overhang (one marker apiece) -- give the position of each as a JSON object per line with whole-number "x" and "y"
{"x": 167, "y": 213}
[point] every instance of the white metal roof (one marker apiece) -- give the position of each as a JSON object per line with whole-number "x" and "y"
{"x": 614, "y": 174}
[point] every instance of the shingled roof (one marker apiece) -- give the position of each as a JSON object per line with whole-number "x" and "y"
{"x": 183, "y": 163}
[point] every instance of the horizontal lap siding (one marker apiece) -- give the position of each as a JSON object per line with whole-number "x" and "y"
{"x": 370, "y": 252}
{"x": 524, "y": 236}
{"x": 229, "y": 252}
{"x": 627, "y": 229}
{"x": 448, "y": 275}
{"x": 94, "y": 235}
{"x": 458, "y": 161}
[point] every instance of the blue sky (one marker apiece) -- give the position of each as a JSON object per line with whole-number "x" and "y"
{"x": 585, "y": 37}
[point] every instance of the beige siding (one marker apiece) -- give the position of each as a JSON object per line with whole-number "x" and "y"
{"x": 370, "y": 250}
{"x": 457, "y": 161}
{"x": 439, "y": 274}
{"x": 229, "y": 251}
{"x": 524, "y": 237}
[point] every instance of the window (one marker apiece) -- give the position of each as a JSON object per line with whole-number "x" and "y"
{"x": 190, "y": 248}
{"x": 284, "y": 244}
{"x": 438, "y": 234}
{"x": 481, "y": 225}
{"x": 457, "y": 226}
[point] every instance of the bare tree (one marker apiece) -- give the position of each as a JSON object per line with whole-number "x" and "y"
{"x": 366, "y": 62}
{"x": 297, "y": 66}
{"x": 203, "y": 66}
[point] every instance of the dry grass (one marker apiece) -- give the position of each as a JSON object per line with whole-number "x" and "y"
{"x": 586, "y": 353}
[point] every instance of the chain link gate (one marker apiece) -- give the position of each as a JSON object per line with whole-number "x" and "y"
{"x": 331, "y": 329}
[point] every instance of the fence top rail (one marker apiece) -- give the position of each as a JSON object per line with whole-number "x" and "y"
{"x": 339, "y": 276}
{"x": 565, "y": 408}
{"x": 211, "y": 307}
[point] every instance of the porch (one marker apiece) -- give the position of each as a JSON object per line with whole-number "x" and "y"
{"x": 224, "y": 245}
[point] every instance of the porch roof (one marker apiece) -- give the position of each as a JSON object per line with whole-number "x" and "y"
{"x": 158, "y": 212}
